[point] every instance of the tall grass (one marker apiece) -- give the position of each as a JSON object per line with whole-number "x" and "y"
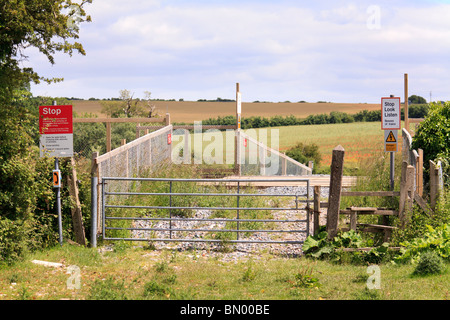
{"x": 373, "y": 174}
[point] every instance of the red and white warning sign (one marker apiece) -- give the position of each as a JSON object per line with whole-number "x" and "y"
{"x": 56, "y": 130}
{"x": 390, "y": 114}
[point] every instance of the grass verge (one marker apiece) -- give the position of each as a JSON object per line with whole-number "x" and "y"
{"x": 136, "y": 273}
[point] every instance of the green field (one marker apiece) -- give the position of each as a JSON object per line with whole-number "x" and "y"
{"x": 360, "y": 140}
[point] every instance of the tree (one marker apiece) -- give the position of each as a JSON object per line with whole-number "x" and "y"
{"x": 49, "y": 26}
{"x": 127, "y": 97}
{"x": 129, "y": 107}
{"x": 416, "y": 100}
{"x": 151, "y": 106}
{"x": 46, "y": 25}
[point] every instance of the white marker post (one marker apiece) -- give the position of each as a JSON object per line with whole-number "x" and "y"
{"x": 390, "y": 123}
{"x": 237, "y": 144}
{"x": 56, "y": 129}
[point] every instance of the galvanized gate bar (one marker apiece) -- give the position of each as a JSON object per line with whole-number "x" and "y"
{"x": 204, "y": 219}
{"x": 237, "y": 211}
{"x": 201, "y": 194}
{"x": 220, "y": 181}
{"x": 198, "y": 208}
{"x": 170, "y": 210}
{"x": 204, "y": 240}
{"x": 171, "y": 219}
{"x": 205, "y": 230}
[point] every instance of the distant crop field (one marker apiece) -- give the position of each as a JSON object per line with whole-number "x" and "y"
{"x": 190, "y": 111}
{"x": 360, "y": 140}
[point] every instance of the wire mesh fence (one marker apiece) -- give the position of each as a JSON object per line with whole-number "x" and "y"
{"x": 98, "y": 135}
{"x": 132, "y": 160}
{"x": 89, "y": 138}
{"x": 241, "y": 148}
{"x": 142, "y": 156}
{"x": 256, "y": 158}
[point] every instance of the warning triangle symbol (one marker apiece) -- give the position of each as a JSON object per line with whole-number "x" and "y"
{"x": 391, "y": 137}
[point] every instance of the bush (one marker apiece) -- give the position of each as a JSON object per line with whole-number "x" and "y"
{"x": 433, "y": 136}
{"x": 90, "y": 137}
{"x": 430, "y": 263}
{"x": 12, "y": 239}
{"x": 320, "y": 247}
{"x": 418, "y": 111}
{"x": 28, "y": 219}
{"x": 436, "y": 239}
{"x": 415, "y": 111}
{"x": 305, "y": 153}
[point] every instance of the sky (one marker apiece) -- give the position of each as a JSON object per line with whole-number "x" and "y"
{"x": 284, "y": 50}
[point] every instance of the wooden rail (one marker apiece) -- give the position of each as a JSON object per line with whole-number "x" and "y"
{"x": 370, "y": 193}
{"x": 108, "y": 121}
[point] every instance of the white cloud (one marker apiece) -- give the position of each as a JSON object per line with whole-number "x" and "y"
{"x": 279, "y": 51}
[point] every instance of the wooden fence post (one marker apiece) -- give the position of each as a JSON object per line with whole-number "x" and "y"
{"x": 108, "y": 136}
{"x": 420, "y": 173}
{"x": 167, "y": 119}
{"x": 316, "y": 222}
{"x": 406, "y": 102}
{"x": 334, "y": 199}
{"x": 403, "y": 191}
{"x": 434, "y": 184}
{"x": 353, "y": 217}
{"x": 406, "y": 192}
{"x": 77, "y": 218}
{"x": 410, "y": 193}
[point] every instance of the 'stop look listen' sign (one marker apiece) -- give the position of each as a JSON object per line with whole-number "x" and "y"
{"x": 390, "y": 114}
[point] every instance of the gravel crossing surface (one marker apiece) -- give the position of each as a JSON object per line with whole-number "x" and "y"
{"x": 235, "y": 251}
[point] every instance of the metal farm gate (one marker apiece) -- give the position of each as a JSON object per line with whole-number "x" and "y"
{"x": 205, "y": 210}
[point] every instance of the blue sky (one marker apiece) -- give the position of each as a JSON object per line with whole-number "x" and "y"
{"x": 338, "y": 51}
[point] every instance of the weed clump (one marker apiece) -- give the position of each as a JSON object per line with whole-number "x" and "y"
{"x": 430, "y": 263}
{"x": 108, "y": 289}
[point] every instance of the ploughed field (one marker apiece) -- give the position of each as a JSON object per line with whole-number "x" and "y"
{"x": 190, "y": 111}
